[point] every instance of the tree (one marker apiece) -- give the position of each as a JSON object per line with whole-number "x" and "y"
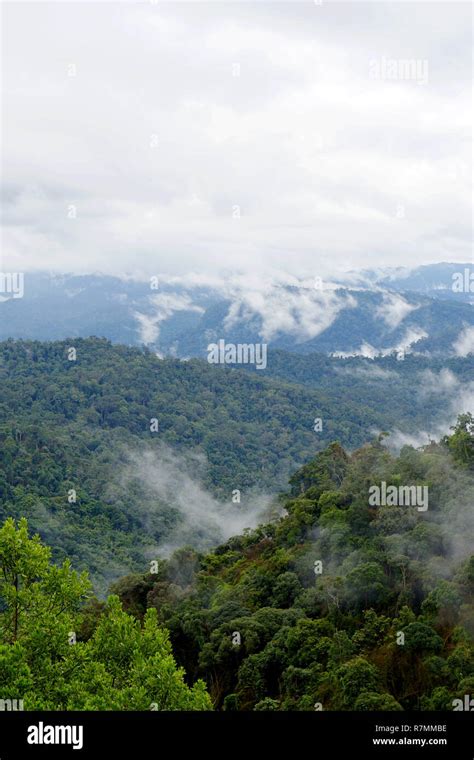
{"x": 421, "y": 638}
{"x": 461, "y": 443}
{"x": 371, "y": 701}
{"x": 35, "y": 595}
{"x": 122, "y": 665}
{"x": 354, "y": 677}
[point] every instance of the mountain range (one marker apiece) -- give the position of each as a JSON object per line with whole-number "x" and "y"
{"x": 368, "y": 313}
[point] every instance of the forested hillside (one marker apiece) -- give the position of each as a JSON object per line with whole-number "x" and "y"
{"x": 336, "y": 605}
{"x": 79, "y": 460}
{"x": 418, "y": 391}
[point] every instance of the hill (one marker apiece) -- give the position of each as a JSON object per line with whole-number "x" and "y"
{"x": 363, "y": 313}
{"x": 340, "y": 604}
{"x": 79, "y": 459}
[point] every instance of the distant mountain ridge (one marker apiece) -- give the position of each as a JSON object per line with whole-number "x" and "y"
{"x": 365, "y": 313}
{"x": 434, "y": 280}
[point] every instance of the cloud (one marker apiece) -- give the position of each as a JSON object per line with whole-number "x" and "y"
{"x": 163, "y": 306}
{"x": 302, "y": 313}
{"x": 464, "y": 343}
{"x": 370, "y": 373}
{"x": 432, "y": 383}
{"x": 404, "y": 346}
{"x": 172, "y": 495}
{"x": 459, "y": 399}
{"x": 366, "y": 350}
{"x": 159, "y": 142}
{"x": 394, "y": 309}
{"x": 409, "y": 340}
{"x": 399, "y": 438}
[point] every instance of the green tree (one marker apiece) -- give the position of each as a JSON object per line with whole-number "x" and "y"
{"x": 122, "y": 665}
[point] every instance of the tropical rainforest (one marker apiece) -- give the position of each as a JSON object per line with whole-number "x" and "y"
{"x": 70, "y": 428}
{"x": 332, "y": 604}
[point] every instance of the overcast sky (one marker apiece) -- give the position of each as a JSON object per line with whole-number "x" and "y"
{"x": 136, "y": 134}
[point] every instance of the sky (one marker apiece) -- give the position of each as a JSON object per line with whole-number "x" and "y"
{"x": 145, "y": 137}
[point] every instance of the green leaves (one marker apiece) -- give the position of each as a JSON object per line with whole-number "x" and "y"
{"x": 22, "y": 561}
{"x": 121, "y": 666}
{"x": 461, "y": 443}
{"x": 375, "y": 629}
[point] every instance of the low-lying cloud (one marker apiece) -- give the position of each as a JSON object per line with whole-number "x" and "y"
{"x": 405, "y": 345}
{"x": 163, "y": 306}
{"x": 464, "y": 343}
{"x": 302, "y": 313}
{"x": 459, "y": 399}
{"x": 394, "y": 309}
{"x": 172, "y": 495}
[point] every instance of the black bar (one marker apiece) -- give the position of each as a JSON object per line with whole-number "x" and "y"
{"x": 313, "y": 735}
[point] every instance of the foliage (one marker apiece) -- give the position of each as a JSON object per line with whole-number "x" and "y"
{"x": 387, "y": 625}
{"x": 73, "y": 425}
{"x": 122, "y": 665}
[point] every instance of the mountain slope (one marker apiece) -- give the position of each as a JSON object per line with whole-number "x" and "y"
{"x": 338, "y": 605}
{"x": 372, "y": 314}
{"x": 84, "y": 426}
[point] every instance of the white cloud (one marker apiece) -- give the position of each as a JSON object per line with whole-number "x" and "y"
{"x": 398, "y": 439}
{"x": 459, "y": 399}
{"x": 405, "y": 345}
{"x": 464, "y": 343}
{"x": 394, "y": 309}
{"x": 303, "y": 313}
{"x": 319, "y": 157}
{"x": 366, "y": 350}
{"x": 411, "y": 337}
{"x": 163, "y": 305}
{"x": 372, "y": 373}
{"x": 202, "y": 520}
{"x": 432, "y": 383}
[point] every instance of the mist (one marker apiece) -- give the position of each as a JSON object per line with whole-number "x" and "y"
{"x": 175, "y": 503}
{"x": 459, "y": 399}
